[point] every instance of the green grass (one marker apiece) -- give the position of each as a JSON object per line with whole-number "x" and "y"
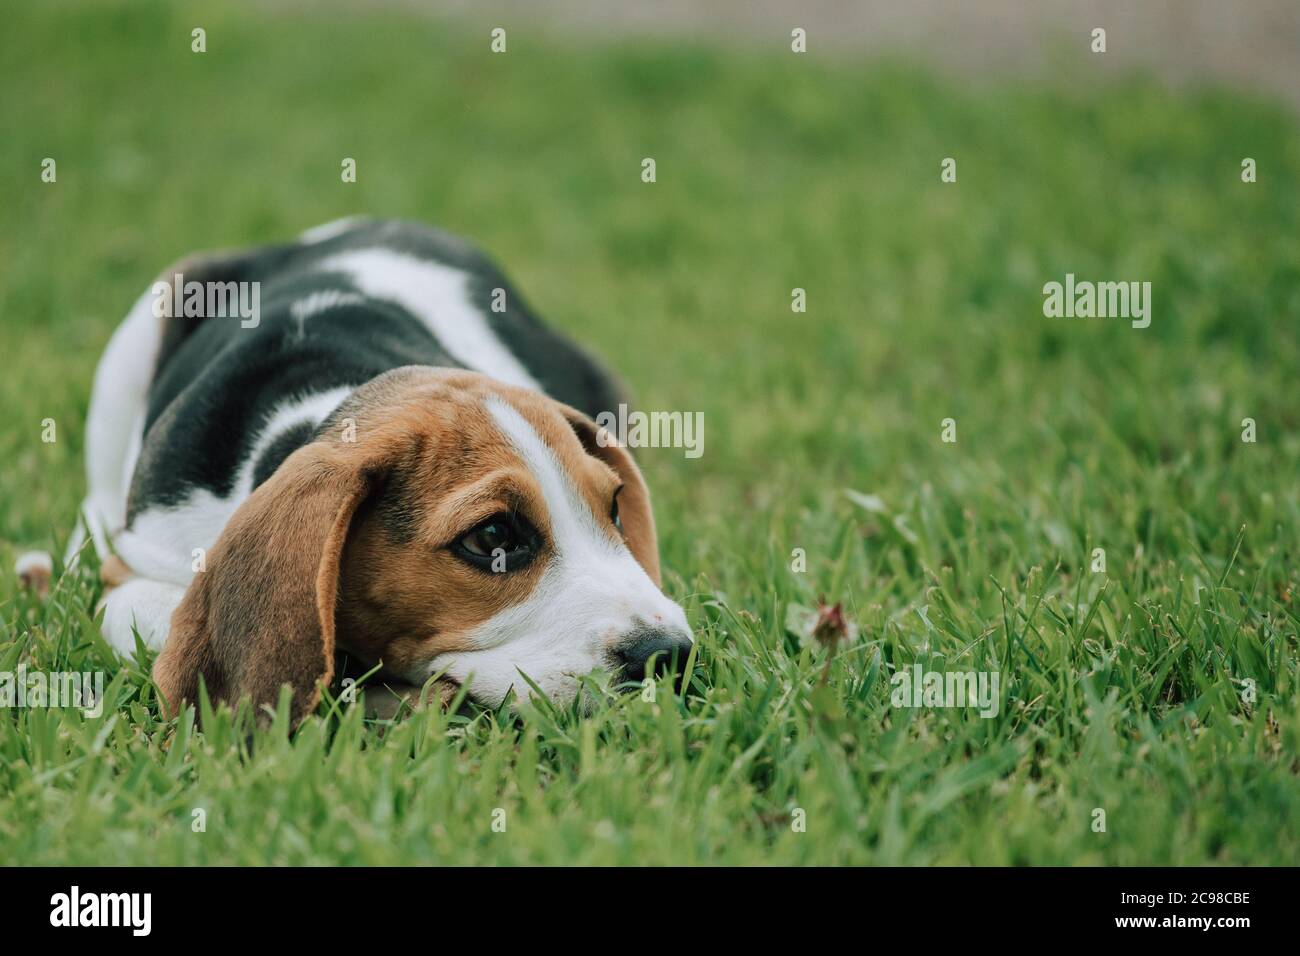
{"x": 1120, "y": 691}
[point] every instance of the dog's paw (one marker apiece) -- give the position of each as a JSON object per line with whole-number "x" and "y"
{"x": 385, "y": 700}
{"x": 34, "y": 570}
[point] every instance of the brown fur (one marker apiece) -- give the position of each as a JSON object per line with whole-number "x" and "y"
{"x": 114, "y": 572}
{"x": 346, "y": 545}
{"x": 633, "y": 501}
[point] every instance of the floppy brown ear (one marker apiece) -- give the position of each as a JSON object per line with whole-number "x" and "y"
{"x": 634, "y": 500}
{"x": 262, "y": 613}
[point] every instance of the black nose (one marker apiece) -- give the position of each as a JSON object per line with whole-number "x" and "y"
{"x": 663, "y": 651}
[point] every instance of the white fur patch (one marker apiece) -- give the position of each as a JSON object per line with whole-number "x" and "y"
{"x": 114, "y": 424}
{"x": 319, "y": 302}
{"x": 144, "y": 605}
{"x": 439, "y": 297}
{"x": 329, "y": 230}
{"x": 593, "y": 594}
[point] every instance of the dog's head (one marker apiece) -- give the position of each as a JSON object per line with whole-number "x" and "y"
{"x": 440, "y": 521}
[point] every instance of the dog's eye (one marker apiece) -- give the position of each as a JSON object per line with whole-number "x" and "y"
{"x": 501, "y": 543}
{"x": 613, "y": 510}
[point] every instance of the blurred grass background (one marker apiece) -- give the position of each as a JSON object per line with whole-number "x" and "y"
{"x": 775, "y": 171}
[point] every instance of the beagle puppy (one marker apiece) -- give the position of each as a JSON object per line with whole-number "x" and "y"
{"x": 388, "y": 456}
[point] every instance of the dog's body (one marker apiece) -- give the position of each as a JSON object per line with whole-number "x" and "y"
{"x": 209, "y": 437}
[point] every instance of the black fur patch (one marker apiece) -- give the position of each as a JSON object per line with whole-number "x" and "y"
{"x": 284, "y": 445}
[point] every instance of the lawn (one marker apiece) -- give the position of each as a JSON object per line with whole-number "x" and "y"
{"x": 1163, "y": 690}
